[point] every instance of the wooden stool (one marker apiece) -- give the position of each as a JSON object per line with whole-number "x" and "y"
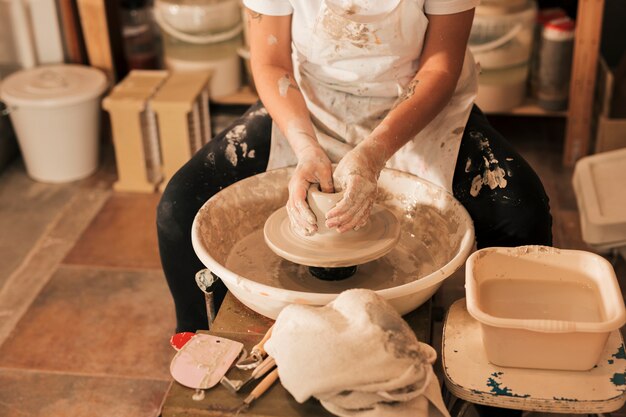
{"x": 471, "y": 379}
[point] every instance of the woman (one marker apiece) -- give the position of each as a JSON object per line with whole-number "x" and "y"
{"x": 367, "y": 84}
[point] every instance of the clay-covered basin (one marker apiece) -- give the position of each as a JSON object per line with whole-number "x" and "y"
{"x": 436, "y": 239}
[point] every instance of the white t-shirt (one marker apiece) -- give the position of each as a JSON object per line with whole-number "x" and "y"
{"x": 354, "y": 58}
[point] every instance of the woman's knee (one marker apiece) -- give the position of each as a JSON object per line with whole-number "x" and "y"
{"x": 500, "y": 190}
{"x": 169, "y": 220}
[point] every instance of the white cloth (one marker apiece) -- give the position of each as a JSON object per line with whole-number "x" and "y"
{"x": 357, "y": 356}
{"x": 352, "y": 60}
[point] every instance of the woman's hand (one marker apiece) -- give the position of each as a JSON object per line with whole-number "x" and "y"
{"x": 313, "y": 167}
{"x": 357, "y": 175}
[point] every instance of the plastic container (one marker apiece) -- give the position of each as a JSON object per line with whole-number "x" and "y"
{"x": 555, "y": 64}
{"x": 502, "y": 90}
{"x": 502, "y": 33}
{"x": 601, "y": 197}
{"x": 542, "y": 307}
{"x": 201, "y": 35}
{"x": 199, "y": 16}
{"x": 543, "y": 17}
{"x": 141, "y": 40}
{"x": 55, "y": 111}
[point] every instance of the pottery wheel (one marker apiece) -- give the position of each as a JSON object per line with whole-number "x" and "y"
{"x": 374, "y": 240}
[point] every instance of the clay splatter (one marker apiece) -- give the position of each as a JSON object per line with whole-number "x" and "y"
{"x": 271, "y": 40}
{"x": 458, "y": 130}
{"x": 407, "y": 92}
{"x": 284, "y": 84}
{"x": 235, "y": 139}
{"x": 356, "y": 34}
{"x": 493, "y": 175}
{"x": 211, "y": 157}
{"x": 256, "y": 113}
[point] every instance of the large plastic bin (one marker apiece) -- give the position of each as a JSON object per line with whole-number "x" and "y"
{"x": 600, "y": 190}
{"x": 542, "y": 307}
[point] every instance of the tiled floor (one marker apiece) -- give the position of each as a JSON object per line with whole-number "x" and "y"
{"x": 85, "y": 314}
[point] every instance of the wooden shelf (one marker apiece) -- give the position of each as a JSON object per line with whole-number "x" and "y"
{"x": 529, "y": 108}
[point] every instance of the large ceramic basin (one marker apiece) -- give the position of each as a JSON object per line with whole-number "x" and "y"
{"x": 436, "y": 239}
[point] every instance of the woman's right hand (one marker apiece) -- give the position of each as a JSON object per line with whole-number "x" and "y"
{"x": 314, "y": 167}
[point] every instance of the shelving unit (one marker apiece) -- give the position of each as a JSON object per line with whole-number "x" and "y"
{"x": 585, "y": 63}
{"x": 578, "y": 132}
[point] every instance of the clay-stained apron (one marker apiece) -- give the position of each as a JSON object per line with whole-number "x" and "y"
{"x": 346, "y": 112}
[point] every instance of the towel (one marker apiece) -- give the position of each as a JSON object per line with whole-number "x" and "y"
{"x": 357, "y": 356}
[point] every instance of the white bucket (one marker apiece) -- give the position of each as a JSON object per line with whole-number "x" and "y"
{"x": 502, "y": 35}
{"x": 202, "y": 35}
{"x": 503, "y": 89}
{"x": 55, "y": 111}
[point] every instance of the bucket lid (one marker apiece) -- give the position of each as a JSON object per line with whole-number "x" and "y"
{"x": 563, "y": 24}
{"x": 53, "y": 85}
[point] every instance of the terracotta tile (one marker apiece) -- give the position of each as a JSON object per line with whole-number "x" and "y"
{"x": 34, "y": 394}
{"x": 21, "y": 288}
{"x": 27, "y": 208}
{"x": 96, "y": 322}
{"x": 122, "y": 235}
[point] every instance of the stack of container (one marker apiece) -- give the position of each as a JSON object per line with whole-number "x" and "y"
{"x": 501, "y": 41}
{"x": 203, "y": 35}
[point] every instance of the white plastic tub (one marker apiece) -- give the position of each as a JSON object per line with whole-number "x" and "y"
{"x": 502, "y": 33}
{"x": 502, "y": 90}
{"x": 55, "y": 111}
{"x": 601, "y": 198}
{"x": 542, "y": 307}
{"x": 203, "y": 35}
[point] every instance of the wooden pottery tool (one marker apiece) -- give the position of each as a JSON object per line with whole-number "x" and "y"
{"x": 259, "y": 390}
{"x": 256, "y": 354}
{"x": 204, "y": 360}
{"x": 235, "y": 385}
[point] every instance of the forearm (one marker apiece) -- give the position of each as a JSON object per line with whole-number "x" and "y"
{"x": 425, "y": 97}
{"x": 441, "y": 64}
{"x": 281, "y": 96}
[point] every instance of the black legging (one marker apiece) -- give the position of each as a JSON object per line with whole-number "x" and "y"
{"x": 508, "y": 215}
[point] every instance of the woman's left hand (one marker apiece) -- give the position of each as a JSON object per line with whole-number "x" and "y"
{"x": 357, "y": 175}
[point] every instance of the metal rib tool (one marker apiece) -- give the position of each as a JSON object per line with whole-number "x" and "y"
{"x": 256, "y": 354}
{"x": 235, "y": 385}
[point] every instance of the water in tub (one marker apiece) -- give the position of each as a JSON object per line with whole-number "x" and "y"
{"x": 541, "y": 300}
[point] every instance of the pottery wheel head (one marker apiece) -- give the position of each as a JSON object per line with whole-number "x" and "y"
{"x": 333, "y": 250}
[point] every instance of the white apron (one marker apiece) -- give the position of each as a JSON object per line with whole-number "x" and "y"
{"x": 353, "y": 69}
